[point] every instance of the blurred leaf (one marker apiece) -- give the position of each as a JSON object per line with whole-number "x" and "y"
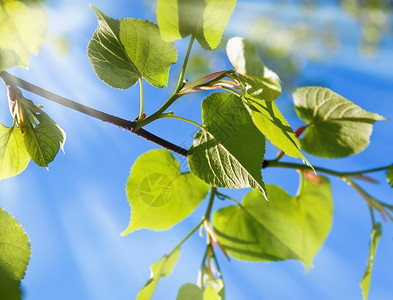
{"x": 284, "y": 228}
{"x": 336, "y": 126}
{"x": 22, "y": 31}
{"x": 122, "y": 51}
{"x": 229, "y": 151}
{"x": 258, "y": 81}
{"x": 14, "y": 157}
{"x": 365, "y": 283}
{"x": 191, "y": 291}
{"x": 159, "y": 195}
{"x": 15, "y": 248}
{"x": 208, "y": 19}
{"x": 159, "y": 269}
{"x": 390, "y": 176}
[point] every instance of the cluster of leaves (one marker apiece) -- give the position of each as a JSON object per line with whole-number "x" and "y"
{"x": 227, "y": 152}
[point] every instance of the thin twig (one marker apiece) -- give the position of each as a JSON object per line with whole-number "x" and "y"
{"x": 12, "y": 80}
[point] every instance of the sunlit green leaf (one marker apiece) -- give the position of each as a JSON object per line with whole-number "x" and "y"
{"x": 271, "y": 123}
{"x": 191, "y": 291}
{"x": 44, "y": 140}
{"x": 14, "y": 157}
{"x": 336, "y": 126}
{"x": 159, "y": 269}
{"x": 258, "y": 81}
{"x": 284, "y": 228}
{"x": 122, "y": 51}
{"x": 22, "y": 31}
{"x": 206, "y": 18}
{"x": 390, "y": 176}
{"x": 365, "y": 283}
{"x": 159, "y": 195}
{"x": 15, "y": 248}
{"x": 229, "y": 151}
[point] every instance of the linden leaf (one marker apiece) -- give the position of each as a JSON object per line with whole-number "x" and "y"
{"x": 159, "y": 195}
{"x": 284, "y": 228}
{"x": 336, "y": 127}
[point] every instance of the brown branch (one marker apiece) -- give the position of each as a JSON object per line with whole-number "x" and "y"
{"x": 11, "y": 80}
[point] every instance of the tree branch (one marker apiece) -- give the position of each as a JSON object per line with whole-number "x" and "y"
{"x": 12, "y": 80}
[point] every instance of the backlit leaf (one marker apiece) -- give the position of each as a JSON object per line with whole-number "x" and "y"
{"x": 22, "y": 31}
{"x": 206, "y": 18}
{"x": 229, "y": 151}
{"x": 44, "y": 140}
{"x": 336, "y": 127}
{"x": 15, "y": 248}
{"x": 14, "y": 157}
{"x": 259, "y": 83}
{"x": 284, "y": 228}
{"x": 159, "y": 195}
{"x": 365, "y": 283}
{"x": 271, "y": 123}
{"x": 159, "y": 269}
{"x": 122, "y": 51}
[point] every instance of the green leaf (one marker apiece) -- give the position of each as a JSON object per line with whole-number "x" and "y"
{"x": 15, "y": 248}
{"x": 159, "y": 195}
{"x": 159, "y": 269}
{"x": 122, "y": 51}
{"x": 191, "y": 291}
{"x": 206, "y": 18}
{"x": 336, "y": 127}
{"x": 259, "y": 83}
{"x": 22, "y": 31}
{"x": 9, "y": 288}
{"x": 44, "y": 140}
{"x": 14, "y": 157}
{"x": 284, "y": 228}
{"x": 229, "y": 151}
{"x": 365, "y": 283}
{"x": 271, "y": 123}
{"x": 390, "y": 176}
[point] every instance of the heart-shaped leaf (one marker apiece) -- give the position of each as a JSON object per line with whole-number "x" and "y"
{"x": 14, "y": 157}
{"x": 159, "y": 195}
{"x": 122, "y": 51}
{"x": 258, "y": 82}
{"x": 161, "y": 268}
{"x": 284, "y": 228}
{"x": 207, "y": 19}
{"x": 229, "y": 151}
{"x": 22, "y": 31}
{"x": 336, "y": 127}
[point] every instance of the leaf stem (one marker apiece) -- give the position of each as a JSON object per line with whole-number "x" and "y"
{"x": 187, "y": 236}
{"x": 140, "y": 98}
{"x": 213, "y": 192}
{"x": 278, "y": 164}
{"x": 175, "y": 94}
{"x": 372, "y": 216}
{"x": 170, "y": 116}
{"x": 185, "y": 61}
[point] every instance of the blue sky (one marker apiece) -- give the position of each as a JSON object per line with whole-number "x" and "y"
{"x": 74, "y": 213}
